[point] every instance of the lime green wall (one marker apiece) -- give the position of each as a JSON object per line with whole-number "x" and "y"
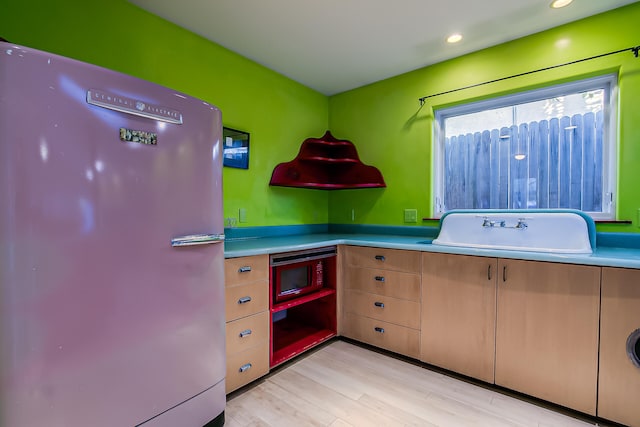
{"x": 392, "y": 132}
{"x": 383, "y": 119}
{"x": 278, "y": 112}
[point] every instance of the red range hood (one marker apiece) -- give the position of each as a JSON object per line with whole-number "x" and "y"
{"x": 327, "y": 163}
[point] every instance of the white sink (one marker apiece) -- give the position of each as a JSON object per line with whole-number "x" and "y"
{"x": 561, "y": 231}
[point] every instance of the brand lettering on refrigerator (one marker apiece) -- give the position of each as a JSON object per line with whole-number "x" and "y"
{"x": 139, "y": 136}
{"x": 133, "y": 106}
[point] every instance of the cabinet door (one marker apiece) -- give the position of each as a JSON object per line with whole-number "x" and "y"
{"x": 458, "y": 313}
{"x": 547, "y": 331}
{"x": 619, "y": 385}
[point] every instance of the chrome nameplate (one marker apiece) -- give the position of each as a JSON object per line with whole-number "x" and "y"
{"x": 132, "y": 106}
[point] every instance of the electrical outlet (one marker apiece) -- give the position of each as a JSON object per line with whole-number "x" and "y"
{"x": 353, "y": 214}
{"x": 411, "y": 215}
{"x": 242, "y": 215}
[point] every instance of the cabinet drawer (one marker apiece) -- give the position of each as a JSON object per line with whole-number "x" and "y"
{"x": 387, "y": 259}
{"x": 393, "y": 310}
{"x": 246, "y": 366}
{"x": 246, "y": 269}
{"x": 383, "y": 282}
{"x": 384, "y": 335}
{"x": 245, "y": 300}
{"x": 247, "y": 332}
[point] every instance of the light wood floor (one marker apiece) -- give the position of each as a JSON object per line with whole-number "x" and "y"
{"x": 345, "y": 385}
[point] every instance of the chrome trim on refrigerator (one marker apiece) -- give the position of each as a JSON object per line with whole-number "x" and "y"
{"x": 197, "y": 239}
{"x": 123, "y": 104}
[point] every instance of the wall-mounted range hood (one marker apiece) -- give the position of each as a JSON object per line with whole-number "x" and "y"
{"x": 327, "y": 163}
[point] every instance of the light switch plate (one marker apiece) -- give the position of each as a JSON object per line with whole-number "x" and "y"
{"x": 242, "y": 215}
{"x": 410, "y": 215}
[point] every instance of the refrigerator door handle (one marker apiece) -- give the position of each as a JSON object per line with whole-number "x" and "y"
{"x": 197, "y": 239}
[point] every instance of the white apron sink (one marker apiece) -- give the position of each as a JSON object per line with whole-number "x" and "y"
{"x": 561, "y": 231}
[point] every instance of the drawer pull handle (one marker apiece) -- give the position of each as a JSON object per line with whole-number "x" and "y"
{"x": 245, "y": 333}
{"x": 504, "y": 273}
{"x": 245, "y": 367}
{"x": 244, "y": 269}
{"x": 380, "y": 278}
{"x": 379, "y": 329}
{"x": 380, "y": 257}
{"x": 244, "y": 300}
{"x": 379, "y": 304}
{"x": 489, "y": 272}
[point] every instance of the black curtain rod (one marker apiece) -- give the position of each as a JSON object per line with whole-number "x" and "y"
{"x": 635, "y": 50}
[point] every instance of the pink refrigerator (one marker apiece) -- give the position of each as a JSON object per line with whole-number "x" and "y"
{"x": 111, "y": 254}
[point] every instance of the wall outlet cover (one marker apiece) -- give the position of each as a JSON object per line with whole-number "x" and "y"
{"x": 242, "y": 215}
{"x": 411, "y": 215}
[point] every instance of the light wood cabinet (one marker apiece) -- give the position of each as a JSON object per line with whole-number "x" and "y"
{"x": 619, "y": 378}
{"x": 386, "y": 259}
{"x": 540, "y": 328}
{"x": 459, "y": 313}
{"x": 381, "y": 298}
{"x": 389, "y": 336}
{"x": 247, "y": 312}
{"x": 393, "y": 310}
{"x": 547, "y": 331}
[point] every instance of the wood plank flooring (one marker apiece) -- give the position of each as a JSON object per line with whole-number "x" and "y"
{"x": 346, "y": 385}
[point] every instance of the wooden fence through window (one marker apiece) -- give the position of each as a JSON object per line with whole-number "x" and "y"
{"x": 553, "y": 163}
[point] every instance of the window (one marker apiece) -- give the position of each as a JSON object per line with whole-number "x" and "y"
{"x": 543, "y": 149}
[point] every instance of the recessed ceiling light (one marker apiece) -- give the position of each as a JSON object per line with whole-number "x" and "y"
{"x": 557, "y": 4}
{"x": 454, "y": 38}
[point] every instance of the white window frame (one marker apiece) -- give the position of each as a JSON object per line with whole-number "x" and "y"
{"x": 610, "y": 135}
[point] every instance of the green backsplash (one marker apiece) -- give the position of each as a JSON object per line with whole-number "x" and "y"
{"x": 278, "y": 112}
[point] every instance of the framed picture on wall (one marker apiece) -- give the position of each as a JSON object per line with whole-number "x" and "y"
{"x": 235, "y": 152}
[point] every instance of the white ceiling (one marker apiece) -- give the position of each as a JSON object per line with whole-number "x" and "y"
{"x": 336, "y": 45}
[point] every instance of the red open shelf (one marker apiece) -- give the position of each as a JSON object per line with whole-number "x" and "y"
{"x": 301, "y": 324}
{"x": 302, "y": 300}
{"x": 304, "y": 321}
{"x": 290, "y": 338}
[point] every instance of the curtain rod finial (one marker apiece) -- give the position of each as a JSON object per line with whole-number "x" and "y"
{"x": 635, "y": 50}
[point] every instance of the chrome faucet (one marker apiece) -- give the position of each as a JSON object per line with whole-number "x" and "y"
{"x": 490, "y": 224}
{"x": 487, "y": 223}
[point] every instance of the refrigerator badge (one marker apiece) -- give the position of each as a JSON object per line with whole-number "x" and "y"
{"x": 136, "y": 107}
{"x": 139, "y": 136}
